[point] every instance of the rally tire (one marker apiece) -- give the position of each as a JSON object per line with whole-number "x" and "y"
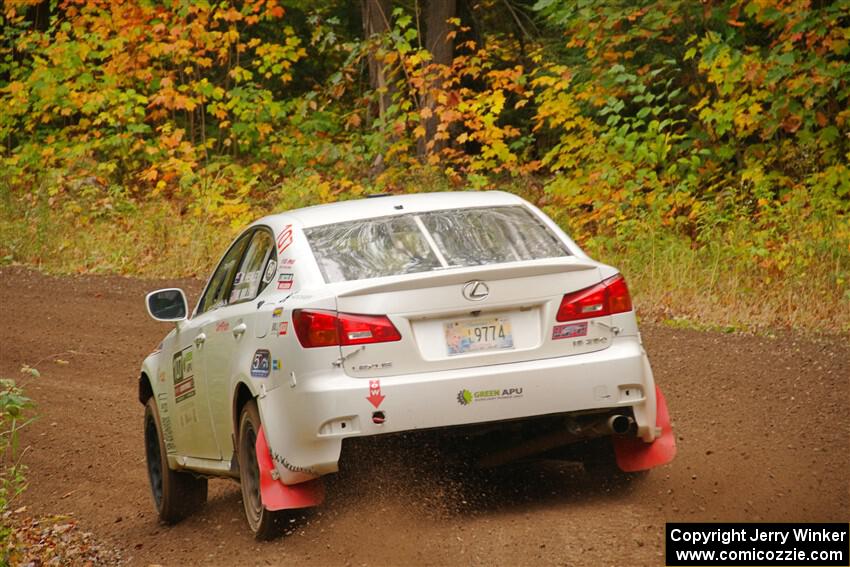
{"x": 264, "y": 523}
{"x": 176, "y": 494}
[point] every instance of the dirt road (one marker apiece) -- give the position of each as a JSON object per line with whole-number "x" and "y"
{"x": 762, "y": 424}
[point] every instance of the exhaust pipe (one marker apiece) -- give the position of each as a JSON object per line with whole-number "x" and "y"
{"x": 620, "y": 424}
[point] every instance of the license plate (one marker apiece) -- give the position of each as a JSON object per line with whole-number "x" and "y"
{"x": 475, "y": 336}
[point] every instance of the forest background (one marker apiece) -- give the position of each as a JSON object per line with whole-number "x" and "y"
{"x": 701, "y": 146}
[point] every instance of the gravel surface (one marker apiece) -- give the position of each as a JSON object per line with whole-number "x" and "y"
{"x": 762, "y": 427}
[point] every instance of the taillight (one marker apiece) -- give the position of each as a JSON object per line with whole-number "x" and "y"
{"x": 606, "y": 298}
{"x": 318, "y": 328}
{"x": 364, "y": 329}
{"x": 619, "y": 300}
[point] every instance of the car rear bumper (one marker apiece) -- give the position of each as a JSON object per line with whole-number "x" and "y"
{"x": 306, "y": 424}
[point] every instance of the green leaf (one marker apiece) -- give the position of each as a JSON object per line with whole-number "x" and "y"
{"x": 786, "y": 58}
{"x": 31, "y": 371}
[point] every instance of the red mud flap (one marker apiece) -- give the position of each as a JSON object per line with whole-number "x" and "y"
{"x": 278, "y": 496}
{"x": 635, "y": 455}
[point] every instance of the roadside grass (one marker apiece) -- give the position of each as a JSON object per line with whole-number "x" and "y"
{"x": 714, "y": 288}
{"x": 153, "y": 241}
{"x": 710, "y": 286}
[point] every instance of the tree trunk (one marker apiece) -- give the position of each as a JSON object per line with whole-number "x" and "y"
{"x": 437, "y": 30}
{"x": 437, "y": 41}
{"x": 442, "y": 51}
{"x": 376, "y": 20}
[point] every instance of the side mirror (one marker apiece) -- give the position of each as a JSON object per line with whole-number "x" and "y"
{"x": 167, "y": 305}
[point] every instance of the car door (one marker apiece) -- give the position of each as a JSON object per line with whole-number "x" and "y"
{"x": 194, "y": 432}
{"x": 237, "y": 338}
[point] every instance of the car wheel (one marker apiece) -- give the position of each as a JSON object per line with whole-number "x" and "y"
{"x": 264, "y": 523}
{"x": 175, "y": 494}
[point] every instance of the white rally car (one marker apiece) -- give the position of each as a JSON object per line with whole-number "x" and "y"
{"x": 386, "y": 315}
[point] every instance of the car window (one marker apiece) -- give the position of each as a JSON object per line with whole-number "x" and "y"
{"x": 477, "y": 237}
{"x": 257, "y": 269}
{"x": 372, "y": 248}
{"x": 218, "y": 290}
{"x": 421, "y": 242}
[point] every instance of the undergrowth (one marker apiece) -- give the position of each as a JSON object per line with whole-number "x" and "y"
{"x": 711, "y": 284}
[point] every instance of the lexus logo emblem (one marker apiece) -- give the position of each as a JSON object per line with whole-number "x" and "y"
{"x": 476, "y": 290}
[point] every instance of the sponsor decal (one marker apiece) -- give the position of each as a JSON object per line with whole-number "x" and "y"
{"x": 252, "y": 276}
{"x": 466, "y": 397}
{"x": 222, "y": 326}
{"x": 284, "y": 281}
{"x": 162, "y": 403}
{"x": 287, "y": 261}
{"x": 188, "y": 415}
{"x": 261, "y": 364}
{"x": 284, "y": 239}
{"x": 289, "y": 466}
{"x": 283, "y": 328}
{"x": 161, "y": 376}
{"x": 183, "y": 375}
{"x": 165, "y": 421}
{"x": 238, "y": 279}
{"x": 275, "y": 364}
{"x": 184, "y": 390}
{"x": 569, "y": 330}
{"x": 270, "y": 271}
{"x": 277, "y": 312}
{"x": 375, "y": 396}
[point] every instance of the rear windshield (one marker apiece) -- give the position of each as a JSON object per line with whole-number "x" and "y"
{"x": 413, "y": 243}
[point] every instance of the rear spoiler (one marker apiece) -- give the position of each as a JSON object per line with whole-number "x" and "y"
{"x": 458, "y": 276}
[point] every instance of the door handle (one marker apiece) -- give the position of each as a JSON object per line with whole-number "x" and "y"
{"x": 199, "y": 340}
{"x": 239, "y": 330}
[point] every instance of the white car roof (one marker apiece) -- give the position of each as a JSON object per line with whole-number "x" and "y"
{"x": 353, "y": 210}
